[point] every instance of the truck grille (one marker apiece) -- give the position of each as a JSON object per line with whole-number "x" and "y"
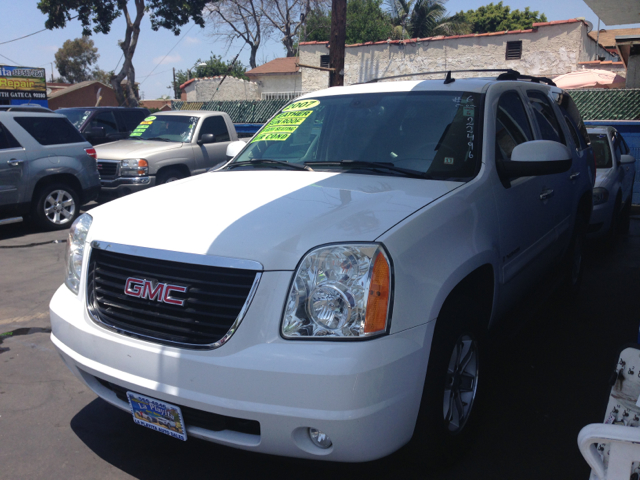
{"x": 107, "y": 169}
{"x": 213, "y": 302}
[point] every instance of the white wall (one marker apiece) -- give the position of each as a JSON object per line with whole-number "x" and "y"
{"x": 550, "y": 50}
{"x": 204, "y": 90}
{"x": 289, "y": 82}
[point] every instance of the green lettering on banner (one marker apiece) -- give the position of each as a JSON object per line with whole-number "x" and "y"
{"x": 135, "y": 134}
{"x": 282, "y": 126}
{"x": 148, "y": 119}
{"x": 142, "y": 127}
{"x": 272, "y": 137}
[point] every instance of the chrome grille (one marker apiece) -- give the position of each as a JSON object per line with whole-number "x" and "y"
{"x": 107, "y": 169}
{"x": 214, "y": 301}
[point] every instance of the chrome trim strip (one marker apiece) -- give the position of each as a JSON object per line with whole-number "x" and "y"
{"x": 172, "y": 256}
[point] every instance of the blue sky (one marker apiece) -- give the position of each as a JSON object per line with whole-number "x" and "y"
{"x": 152, "y": 55}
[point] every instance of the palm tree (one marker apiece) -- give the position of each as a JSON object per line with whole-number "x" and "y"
{"x": 424, "y": 18}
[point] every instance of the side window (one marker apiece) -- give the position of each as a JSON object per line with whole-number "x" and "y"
{"x": 105, "y": 120}
{"x": 217, "y": 126}
{"x": 570, "y": 110}
{"x": 573, "y": 131}
{"x": 545, "y": 116}
{"x": 50, "y": 130}
{"x": 7, "y": 140}
{"x": 512, "y": 125}
{"x": 132, "y": 118}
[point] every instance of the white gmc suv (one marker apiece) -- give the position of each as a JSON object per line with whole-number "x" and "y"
{"x": 326, "y": 293}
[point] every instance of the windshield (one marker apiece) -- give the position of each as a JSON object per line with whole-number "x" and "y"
{"x": 433, "y": 133}
{"x": 77, "y": 116}
{"x": 168, "y": 128}
{"x": 601, "y": 149}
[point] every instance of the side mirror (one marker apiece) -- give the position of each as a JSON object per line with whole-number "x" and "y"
{"x": 95, "y": 132}
{"x": 234, "y": 148}
{"x": 538, "y": 157}
{"x": 627, "y": 159}
{"x": 207, "y": 138}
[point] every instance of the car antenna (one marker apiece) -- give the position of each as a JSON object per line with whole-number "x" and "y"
{"x": 448, "y": 79}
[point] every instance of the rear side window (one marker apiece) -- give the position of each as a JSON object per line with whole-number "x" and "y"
{"x": 7, "y": 140}
{"x": 132, "y": 118}
{"x": 545, "y": 116}
{"x": 105, "y": 120}
{"x": 217, "y": 126}
{"x": 50, "y": 130}
{"x": 512, "y": 125}
{"x": 569, "y": 110}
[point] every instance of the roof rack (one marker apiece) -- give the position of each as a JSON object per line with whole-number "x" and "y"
{"x": 507, "y": 74}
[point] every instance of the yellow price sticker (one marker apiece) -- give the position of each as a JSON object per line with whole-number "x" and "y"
{"x": 301, "y": 105}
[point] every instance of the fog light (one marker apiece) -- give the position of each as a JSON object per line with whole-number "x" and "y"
{"x": 319, "y": 439}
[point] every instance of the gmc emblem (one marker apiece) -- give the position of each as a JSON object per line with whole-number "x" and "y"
{"x": 146, "y": 289}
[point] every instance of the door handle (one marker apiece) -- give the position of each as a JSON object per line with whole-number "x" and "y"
{"x": 573, "y": 176}
{"x": 546, "y": 194}
{"x": 14, "y": 162}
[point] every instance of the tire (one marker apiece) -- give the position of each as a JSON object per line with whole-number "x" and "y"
{"x": 169, "y": 175}
{"x": 56, "y": 206}
{"x": 451, "y": 390}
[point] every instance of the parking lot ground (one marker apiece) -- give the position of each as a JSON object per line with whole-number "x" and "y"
{"x": 545, "y": 378}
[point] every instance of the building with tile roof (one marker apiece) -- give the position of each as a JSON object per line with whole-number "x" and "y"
{"x": 280, "y": 78}
{"x": 218, "y": 88}
{"x": 547, "y": 49}
{"x": 83, "y": 94}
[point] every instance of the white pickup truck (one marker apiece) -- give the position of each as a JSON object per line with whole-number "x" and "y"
{"x": 327, "y": 293}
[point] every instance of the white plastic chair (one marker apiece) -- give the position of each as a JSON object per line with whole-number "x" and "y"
{"x": 624, "y": 444}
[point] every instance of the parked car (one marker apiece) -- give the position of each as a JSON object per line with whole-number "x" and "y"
{"x": 24, "y": 108}
{"x": 327, "y": 294}
{"x": 613, "y": 189}
{"x": 105, "y": 124}
{"x": 165, "y": 147}
{"x": 47, "y": 169}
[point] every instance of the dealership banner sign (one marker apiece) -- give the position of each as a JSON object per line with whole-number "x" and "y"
{"x": 23, "y": 83}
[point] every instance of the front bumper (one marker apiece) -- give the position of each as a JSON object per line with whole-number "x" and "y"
{"x": 120, "y": 186}
{"x": 364, "y": 395}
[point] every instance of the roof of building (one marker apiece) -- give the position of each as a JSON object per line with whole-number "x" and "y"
{"x": 534, "y": 28}
{"x": 608, "y": 37}
{"x": 229, "y": 77}
{"x": 277, "y": 66}
{"x": 604, "y": 104}
{"x": 75, "y": 87}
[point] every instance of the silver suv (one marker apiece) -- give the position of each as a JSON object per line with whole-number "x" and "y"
{"x": 47, "y": 169}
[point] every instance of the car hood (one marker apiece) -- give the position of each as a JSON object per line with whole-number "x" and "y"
{"x": 273, "y": 217}
{"x": 138, "y": 148}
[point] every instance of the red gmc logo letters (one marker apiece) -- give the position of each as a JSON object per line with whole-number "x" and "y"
{"x": 160, "y": 292}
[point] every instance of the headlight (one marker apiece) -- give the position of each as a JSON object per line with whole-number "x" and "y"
{"x": 340, "y": 291}
{"x": 134, "y": 167}
{"x": 600, "y": 195}
{"x": 75, "y": 251}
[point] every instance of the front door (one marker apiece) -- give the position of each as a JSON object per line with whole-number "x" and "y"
{"x": 212, "y": 154}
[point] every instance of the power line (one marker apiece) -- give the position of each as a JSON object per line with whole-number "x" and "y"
{"x": 9, "y": 59}
{"x": 160, "y": 62}
{"x": 31, "y": 34}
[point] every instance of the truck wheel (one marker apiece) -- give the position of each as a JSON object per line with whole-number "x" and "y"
{"x": 56, "y": 206}
{"x": 169, "y": 175}
{"x": 450, "y": 394}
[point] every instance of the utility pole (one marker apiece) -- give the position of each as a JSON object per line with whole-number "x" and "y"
{"x": 337, "y": 41}
{"x": 175, "y": 89}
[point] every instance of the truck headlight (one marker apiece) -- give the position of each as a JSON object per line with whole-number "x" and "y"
{"x": 600, "y": 195}
{"x": 75, "y": 251}
{"x": 340, "y": 291}
{"x": 134, "y": 167}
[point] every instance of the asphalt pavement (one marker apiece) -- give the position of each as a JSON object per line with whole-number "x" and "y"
{"x": 546, "y": 377}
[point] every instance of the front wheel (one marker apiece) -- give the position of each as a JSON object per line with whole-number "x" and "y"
{"x": 56, "y": 206}
{"x": 169, "y": 175}
{"x": 450, "y": 395}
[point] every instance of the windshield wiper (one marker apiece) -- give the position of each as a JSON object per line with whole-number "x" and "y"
{"x": 256, "y": 161}
{"x": 374, "y": 166}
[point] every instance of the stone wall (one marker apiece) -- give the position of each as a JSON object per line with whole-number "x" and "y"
{"x": 204, "y": 89}
{"x": 549, "y": 50}
{"x": 290, "y": 82}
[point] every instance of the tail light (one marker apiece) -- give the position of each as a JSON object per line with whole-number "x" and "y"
{"x": 91, "y": 152}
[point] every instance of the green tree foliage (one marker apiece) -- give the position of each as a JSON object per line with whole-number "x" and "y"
{"x": 423, "y": 18}
{"x": 498, "y": 17}
{"x": 97, "y": 16}
{"x": 366, "y": 22}
{"x": 213, "y": 67}
{"x": 75, "y": 58}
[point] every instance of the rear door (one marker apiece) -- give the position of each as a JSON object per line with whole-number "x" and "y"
{"x": 13, "y": 168}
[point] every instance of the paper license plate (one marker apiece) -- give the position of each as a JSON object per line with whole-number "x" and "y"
{"x": 157, "y": 415}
